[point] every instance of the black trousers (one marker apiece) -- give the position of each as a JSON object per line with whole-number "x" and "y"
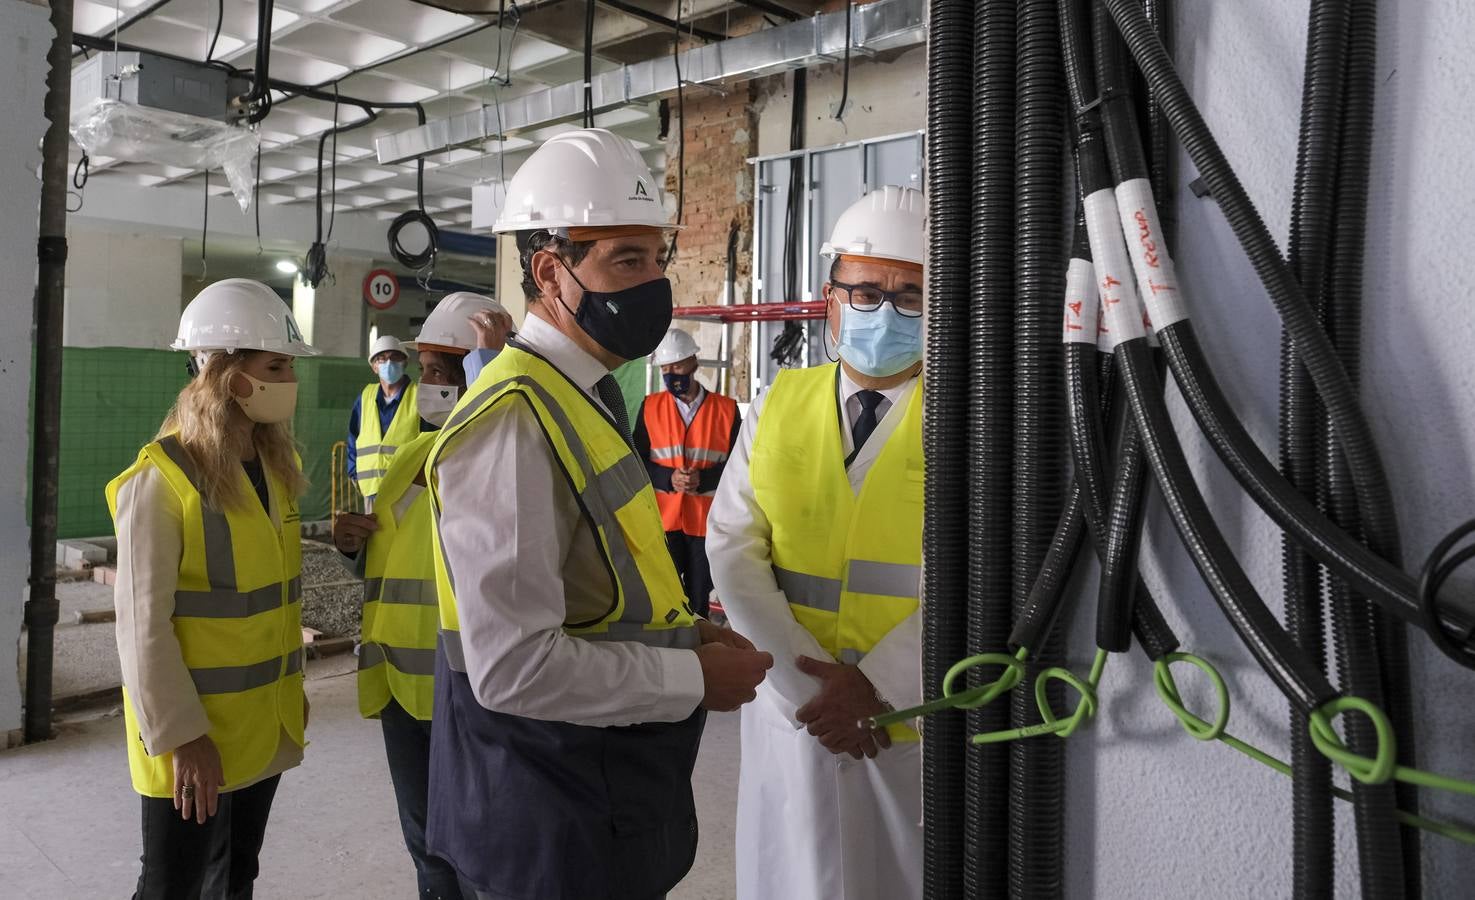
{"x": 690, "y": 554}
{"x": 407, "y": 747}
{"x": 215, "y": 861}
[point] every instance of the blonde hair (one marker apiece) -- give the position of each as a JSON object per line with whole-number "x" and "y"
{"x": 201, "y": 419}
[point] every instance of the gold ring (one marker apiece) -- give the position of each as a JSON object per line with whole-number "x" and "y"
{"x": 187, "y": 792}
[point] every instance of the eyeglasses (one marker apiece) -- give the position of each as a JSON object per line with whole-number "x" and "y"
{"x": 868, "y": 298}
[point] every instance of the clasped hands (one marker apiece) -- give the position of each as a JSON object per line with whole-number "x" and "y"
{"x": 846, "y": 698}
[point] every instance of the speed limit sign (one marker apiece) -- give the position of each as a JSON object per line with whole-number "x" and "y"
{"x": 381, "y": 289}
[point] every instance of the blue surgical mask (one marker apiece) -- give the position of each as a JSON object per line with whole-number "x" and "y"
{"x": 881, "y": 342}
{"x": 677, "y": 384}
{"x": 390, "y": 372}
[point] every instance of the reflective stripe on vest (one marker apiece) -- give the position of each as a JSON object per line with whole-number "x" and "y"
{"x": 374, "y": 448}
{"x": 848, "y": 562}
{"x": 614, "y": 495}
{"x": 702, "y": 444}
{"x": 397, "y": 653}
{"x": 237, "y": 618}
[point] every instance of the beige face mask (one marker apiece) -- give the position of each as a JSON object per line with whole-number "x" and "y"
{"x": 269, "y": 402}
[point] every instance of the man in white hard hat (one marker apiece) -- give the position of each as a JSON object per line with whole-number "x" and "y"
{"x": 383, "y": 418}
{"x": 684, "y": 434}
{"x": 815, "y": 541}
{"x": 571, "y": 674}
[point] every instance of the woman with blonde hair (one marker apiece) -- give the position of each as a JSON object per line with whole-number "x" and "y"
{"x": 208, "y": 598}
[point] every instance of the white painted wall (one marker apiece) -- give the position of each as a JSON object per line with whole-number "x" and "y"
{"x": 123, "y": 290}
{"x": 332, "y": 315}
{"x": 1151, "y": 812}
{"x": 25, "y": 36}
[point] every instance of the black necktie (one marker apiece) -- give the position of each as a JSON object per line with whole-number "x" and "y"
{"x": 614, "y": 400}
{"x": 865, "y": 423}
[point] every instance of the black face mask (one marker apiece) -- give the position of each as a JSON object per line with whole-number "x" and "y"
{"x": 628, "y": 323}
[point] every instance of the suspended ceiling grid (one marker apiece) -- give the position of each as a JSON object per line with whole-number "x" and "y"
{"x": 398, "y": 51}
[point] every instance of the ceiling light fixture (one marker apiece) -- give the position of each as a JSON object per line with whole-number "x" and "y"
{"x": 286, "y": 266}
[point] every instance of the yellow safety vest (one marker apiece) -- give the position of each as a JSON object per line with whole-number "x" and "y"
{"x": 646, "y": 601}
{"x": 238, "y": 619}
{"x": 397, "y": 654}
{"x": 374, "y": 449}
{"x": 849, "y": 564}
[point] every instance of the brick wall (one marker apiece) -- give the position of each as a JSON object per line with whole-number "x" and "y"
{"x": 721, "y": 134}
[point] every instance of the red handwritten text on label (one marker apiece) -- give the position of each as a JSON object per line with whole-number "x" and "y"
{"x": 1144, "y": 237}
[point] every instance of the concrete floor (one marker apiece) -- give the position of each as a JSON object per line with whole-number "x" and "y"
{"x": 69, "y": 820}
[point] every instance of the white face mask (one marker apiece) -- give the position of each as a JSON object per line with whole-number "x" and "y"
{"x": 435, "y": 402}
{"x": 269, "y": 402}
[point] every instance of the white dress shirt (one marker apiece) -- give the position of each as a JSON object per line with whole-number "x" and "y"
{"x": 524, "y": 561}
{"x": 739, "y": 551}
{"x": 689, "y": 410}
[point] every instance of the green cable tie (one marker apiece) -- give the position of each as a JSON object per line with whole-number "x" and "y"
{"x": 1052, "y": 724}
{"x": 1384, "y": 764}
{"x": 971, "y": 698}
{"x": 1199, "y": 729}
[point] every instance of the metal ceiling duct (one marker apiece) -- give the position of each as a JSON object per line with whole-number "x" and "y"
{"x": 880, "y": 26}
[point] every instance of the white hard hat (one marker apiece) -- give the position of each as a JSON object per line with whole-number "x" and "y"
{"x": 449, "y": 325}
{"x": 674, "y": 347}
{"x": 385, "y": 343}
{"x": 239, "y": 314}
{"x": 884, "y": 224}
{"x": 590, "y": 178}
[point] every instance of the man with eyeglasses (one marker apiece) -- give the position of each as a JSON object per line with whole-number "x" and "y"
{"x": 815, "y": 544}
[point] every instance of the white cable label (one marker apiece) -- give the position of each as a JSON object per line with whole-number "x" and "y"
{"x": 1121, "y": 308}
{"x": 1156, "y": 278}
{"x": 1082, "y": 303}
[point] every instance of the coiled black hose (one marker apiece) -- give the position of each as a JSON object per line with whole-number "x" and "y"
{"x": 1037, "y": 787}
{"x": 1313, "y": 201}
{"x": 418, "y": 260}
{"x": 987, "y": 775}
{"x": 1368, "y": 570}
{"x": 945, "y": 521}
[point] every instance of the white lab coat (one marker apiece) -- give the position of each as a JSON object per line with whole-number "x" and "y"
{"x": 812, "y": 825}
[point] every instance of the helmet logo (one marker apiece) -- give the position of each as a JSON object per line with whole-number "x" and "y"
{"x": 640, "y": 192}
{"x": 293, "y": 332}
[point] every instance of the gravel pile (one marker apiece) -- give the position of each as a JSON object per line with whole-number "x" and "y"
{"x": 332, "y": 596}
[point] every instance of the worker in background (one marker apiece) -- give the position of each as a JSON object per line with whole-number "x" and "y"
{"x": 815, "y": 540}
{"x": 208, "y": 598}
{"x": 571, "y": 675}
{"x": 397, "y": 643}
{"x": 373, "y": 439}
{"x": 684, "y": 434}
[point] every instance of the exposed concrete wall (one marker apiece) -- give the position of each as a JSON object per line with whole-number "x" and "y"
{"x": 25, "y": 35}
{"x": 332, "y": 315}
{"x": 1153, "y": 813}
{"x": 123, "y": 290}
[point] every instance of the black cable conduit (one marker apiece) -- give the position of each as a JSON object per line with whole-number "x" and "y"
{"x": 990, "y": 73}
{"x": 945, "y": 519}
{"x": 1037, "y": 787}
{"x": 1296, "y": 676}
{"x": 1369, "y": 571}
{"x": 1372, "y": 652}
{"x": 1308, "y": 251}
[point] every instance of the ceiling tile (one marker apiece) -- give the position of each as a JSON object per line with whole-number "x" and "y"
{"x": 570, "y": 68}
{"x": 369, "y": 86}
{"x": 240, "y": 17}
{"x": 340, "y": 45}
{"x": 436, "y": 70}
{"x": 309, "y": 6}
{"x": 481, "y": 48}
{"x": 302, "y": 69}
{"x": 169, "y": 37}
{"x": 412, "y": 22}
{"x": 92, "y": 18}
